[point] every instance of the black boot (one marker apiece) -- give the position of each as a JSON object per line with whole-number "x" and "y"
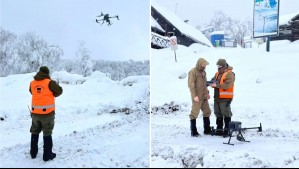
{"x": 48, "y": 144}
{"x": 34, "y": 145}
{"x": 206, "y": 125}
{"x": 219, "y": 123}
{"x": 226, "y": 126}
{"x": 193, "y": 128}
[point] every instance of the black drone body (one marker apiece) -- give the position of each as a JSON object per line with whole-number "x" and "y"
{"x": 106, "y": 18}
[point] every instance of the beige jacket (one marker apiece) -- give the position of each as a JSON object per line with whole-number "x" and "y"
{"x": 197, "y": 80}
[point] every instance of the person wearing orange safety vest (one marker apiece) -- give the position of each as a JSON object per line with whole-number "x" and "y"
{"x": 43, "y": 90}
{"x": 223, "y": 95}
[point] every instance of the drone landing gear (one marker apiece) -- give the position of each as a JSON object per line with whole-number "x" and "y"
{"x": 239, "y": 136}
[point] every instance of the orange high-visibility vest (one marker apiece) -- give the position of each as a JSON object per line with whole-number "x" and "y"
{"x": 225, "y": 93}
{"x": 43, "y": 101}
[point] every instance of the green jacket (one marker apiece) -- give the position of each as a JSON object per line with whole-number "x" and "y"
{"x": 197, "y": 80}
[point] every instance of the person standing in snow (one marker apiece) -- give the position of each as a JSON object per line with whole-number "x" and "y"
{"x": 223, "y": 95}
{"x": 199, "y": 94}
{"x": 43, "y": 90}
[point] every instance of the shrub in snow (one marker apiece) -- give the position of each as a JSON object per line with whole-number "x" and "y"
{"x": 164, "y": 152}
{"x": 122, "y": 110}
{"x": 128, "y": 81}
{"x": 191, "y": 158}
{"x": 167, "y": 108}
{"x": 2, "y": 117}
{"x": 68, "y": 78}
{"x": 99, "y": 77}
{"x": 258, "y": 80}
{"x": 183, "y": 76}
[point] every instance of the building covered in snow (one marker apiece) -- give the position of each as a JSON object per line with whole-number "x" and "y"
{"x": 165, "y": 24}
{"x": 288, "y": 27}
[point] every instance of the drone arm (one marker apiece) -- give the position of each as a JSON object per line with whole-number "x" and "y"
{"x": 260, "y": 129}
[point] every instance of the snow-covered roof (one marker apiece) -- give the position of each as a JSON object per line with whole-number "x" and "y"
{"x": 217, "y": 33}
{"x": 155, "y": 24}
{"x": 183, "y": 27}
{"x": 284, "y": 19}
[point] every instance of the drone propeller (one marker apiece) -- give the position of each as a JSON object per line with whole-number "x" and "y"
{"x": 101, "y": 14}
{"x": 117, "y": 17}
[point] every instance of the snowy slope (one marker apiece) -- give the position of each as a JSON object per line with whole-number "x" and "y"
{"x": 181, "y": 25}
{"x": 100, "y": 123}
{"x": 265, "y": 92}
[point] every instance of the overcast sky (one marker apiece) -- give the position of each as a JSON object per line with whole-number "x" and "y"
{"x": 66, "y": 22}
{"x": 200, "y": 12}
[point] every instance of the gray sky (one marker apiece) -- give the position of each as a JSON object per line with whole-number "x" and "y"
{"x": 66, "y": 22}
{"x": 200, "y": 12}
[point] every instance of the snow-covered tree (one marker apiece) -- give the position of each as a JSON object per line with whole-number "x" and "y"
{"x": 26, "y": 53}
{"x": 52, "y": 57}
{"x": 218, "y": 20}
{"x": 7, "y": 41}
{"x": 232, "y": 27}
{"x": 83, "y": 60}
{"x": 119, "y": 70}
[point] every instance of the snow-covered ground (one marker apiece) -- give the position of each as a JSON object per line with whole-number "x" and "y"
{"x": 98, "y": 122}
{"x": 266, "y": 90}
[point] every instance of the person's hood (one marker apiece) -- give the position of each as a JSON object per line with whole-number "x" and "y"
{"x": 41, "y": 76}
{"x": 200, "y": 61}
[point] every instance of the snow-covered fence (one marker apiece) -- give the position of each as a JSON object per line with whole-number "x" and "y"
{"x": 160, "y": 41}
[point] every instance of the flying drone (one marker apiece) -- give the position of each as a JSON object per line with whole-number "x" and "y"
{"x": 106, "y": 18}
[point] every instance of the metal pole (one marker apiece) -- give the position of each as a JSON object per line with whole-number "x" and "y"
{"x": 175, "y": 55}
{"x": 264, "y": 26}
{"x": 268, "y": 44}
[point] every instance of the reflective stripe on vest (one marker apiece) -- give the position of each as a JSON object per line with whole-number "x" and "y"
{"x": 43, "y": 107}
{"x": 43, "y": 101}
{"x": 225, "y": 93}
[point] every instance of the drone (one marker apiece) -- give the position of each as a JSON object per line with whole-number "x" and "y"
{"x": 106, "y": 18}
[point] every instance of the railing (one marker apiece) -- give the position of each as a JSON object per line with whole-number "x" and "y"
{"x": 160, "y": 41}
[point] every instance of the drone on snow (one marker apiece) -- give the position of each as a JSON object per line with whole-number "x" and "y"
{"x": 106, "y": 18}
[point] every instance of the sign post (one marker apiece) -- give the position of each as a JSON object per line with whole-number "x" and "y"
{"x": 268, "y": 44}
{"x": 173, "y": 45}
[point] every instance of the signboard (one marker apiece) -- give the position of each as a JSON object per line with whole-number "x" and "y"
{"x": 265, "y": 19}
{"x": 173, "y": 43}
